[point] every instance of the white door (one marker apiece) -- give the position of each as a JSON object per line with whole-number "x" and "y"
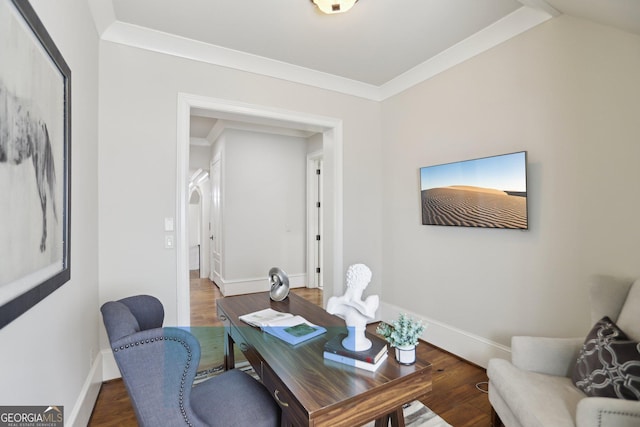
{"x": 318, "y": 224}
{"x": 215, "y": 223}
{"x": 314, "y": 221}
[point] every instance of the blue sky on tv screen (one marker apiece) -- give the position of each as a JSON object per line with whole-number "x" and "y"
{"x": 506, "y": 172}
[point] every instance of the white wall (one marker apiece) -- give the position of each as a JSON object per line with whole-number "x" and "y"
{"x": 264, "y": 210}
{"x": 200, "y": 158}
{"x": 138, "y": 105}
{"x": 205, "y": 190}
{"x": 195, "y": 211}
{"x": 49, "y": 353}
{"x": 314, "y": 143}
{"x": 568, "y": 91}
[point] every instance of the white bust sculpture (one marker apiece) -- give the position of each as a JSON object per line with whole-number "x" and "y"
{"x": 353, "y": 309}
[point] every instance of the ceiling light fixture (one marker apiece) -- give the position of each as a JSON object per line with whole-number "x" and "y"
{"x": 334, "y": 6}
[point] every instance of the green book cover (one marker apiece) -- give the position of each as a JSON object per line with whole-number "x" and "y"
{"x": 300, "y": 330}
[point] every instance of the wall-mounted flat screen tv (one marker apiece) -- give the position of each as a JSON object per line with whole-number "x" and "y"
{"x": 490, "y": 192}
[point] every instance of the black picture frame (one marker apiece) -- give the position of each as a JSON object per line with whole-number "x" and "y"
{"x": 35, "y": 136}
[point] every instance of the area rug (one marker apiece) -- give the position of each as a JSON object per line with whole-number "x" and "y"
{"x": 418, "y": 415}
{"x": 415, "y": 413}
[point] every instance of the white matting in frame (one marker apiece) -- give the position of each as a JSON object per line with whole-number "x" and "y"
{"x": 34, "y": 162}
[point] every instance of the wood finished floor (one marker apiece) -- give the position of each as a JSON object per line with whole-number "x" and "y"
{"x": 454, "y": 397}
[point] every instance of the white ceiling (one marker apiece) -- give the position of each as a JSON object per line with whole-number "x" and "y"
{"x": 377, "y": 49}
{"x": 373, "y": 43}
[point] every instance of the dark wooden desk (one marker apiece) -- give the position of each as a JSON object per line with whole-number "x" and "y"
{"x": 313, "y": 391}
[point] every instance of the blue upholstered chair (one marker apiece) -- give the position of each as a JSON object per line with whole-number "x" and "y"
{"x": 158, "y": 366}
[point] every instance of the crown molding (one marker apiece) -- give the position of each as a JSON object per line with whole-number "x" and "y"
{"x": 157, "y": 41}
{"x": 274, "y": 130}
{"x": 541, "y": 5}
{"x": 517, "y": 22}
{"x": 103, "y": 14}
{"x": 506, "y": 28}
{"x": 199, "y": 142}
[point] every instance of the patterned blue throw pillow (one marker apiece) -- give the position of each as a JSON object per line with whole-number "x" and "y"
{"x": 609, "y": 363}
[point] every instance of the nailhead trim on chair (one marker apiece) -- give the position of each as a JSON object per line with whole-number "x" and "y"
{"x": 183, "y": 411}
{"x": 626, "y": 414}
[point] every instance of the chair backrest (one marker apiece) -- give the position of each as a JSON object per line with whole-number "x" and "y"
{"x": 629, "y": 319}
{"x": 619, "y": 299}
{"x": 157, "y": 364}
{"x": 607, "y": 295}
{"x": 130, "y": 315}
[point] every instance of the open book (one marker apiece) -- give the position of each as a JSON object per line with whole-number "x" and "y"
{"x": 288, "y": 327}
{"x": 264, "y": 317}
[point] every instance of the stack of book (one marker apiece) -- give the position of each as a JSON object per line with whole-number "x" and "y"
{"x": 370, "y": 359}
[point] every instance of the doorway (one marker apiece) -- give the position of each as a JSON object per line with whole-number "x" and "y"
{"x": 215, "y": 229}
{"x": 195, "y": 230}
{"x": 331, "y": 130}
{"x": 315, "y": 227}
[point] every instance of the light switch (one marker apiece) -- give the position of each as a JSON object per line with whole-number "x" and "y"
{"x": 168, "y": 241}
{"x": 168, "y": 224}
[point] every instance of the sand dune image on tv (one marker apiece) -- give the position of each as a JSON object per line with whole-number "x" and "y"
{"x": 489, "y": 192}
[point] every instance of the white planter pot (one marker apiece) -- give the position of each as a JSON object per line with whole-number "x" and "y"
{"x": 406, "y": 355}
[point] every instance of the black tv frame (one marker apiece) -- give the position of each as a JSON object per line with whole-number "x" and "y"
{"x": 486, "y": 192}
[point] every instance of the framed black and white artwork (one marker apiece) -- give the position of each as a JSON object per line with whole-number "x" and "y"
{"x": 35, "y": 162}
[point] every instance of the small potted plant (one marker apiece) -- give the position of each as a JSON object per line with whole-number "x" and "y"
{"x": 403, "y": 334}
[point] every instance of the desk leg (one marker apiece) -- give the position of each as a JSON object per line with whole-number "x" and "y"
{"x": 382, "y": 422}
{"x": 229, "y": 357}
{"x": 396, "y": 418}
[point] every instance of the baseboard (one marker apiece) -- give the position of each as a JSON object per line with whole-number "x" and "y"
{"x": 249, "y": 286}
{"x": 82, "y": 410}
{"x": 110, "y": 368}
{"x": 468, "y": 346}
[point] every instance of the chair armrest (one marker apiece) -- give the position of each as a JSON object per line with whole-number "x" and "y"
{"x": 607, "y": 412}
{"x": 551, "y": 356}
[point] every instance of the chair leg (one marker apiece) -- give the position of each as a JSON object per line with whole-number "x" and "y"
{"x": 495, "y": 419}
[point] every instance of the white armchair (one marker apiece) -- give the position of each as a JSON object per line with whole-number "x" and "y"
{"x": 535, "y": 389}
